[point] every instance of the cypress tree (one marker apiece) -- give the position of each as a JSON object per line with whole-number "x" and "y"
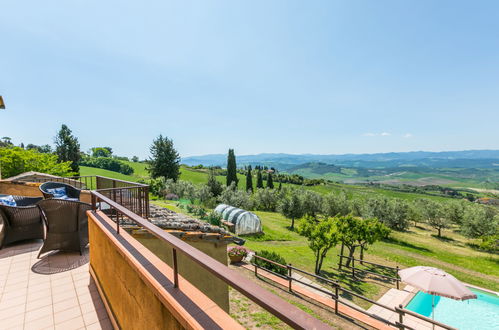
{"x": 231, "y": 168}
{"x": 249, "y": 180}
{"x": 270, "y": 181}
{"x": 259, "y": 179}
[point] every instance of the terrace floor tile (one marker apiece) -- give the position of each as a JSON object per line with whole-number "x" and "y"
{"x": 54, "y": 292}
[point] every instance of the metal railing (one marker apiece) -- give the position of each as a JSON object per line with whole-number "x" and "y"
{"x": 336, "y": 296}
{"x": 132, "y": 195}
{"x": 286, "y": 312}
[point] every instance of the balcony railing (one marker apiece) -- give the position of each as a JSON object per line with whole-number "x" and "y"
{"x": 285, "y": 311}
{"x": 132, "y": 195}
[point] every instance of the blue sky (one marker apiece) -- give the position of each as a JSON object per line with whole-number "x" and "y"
{"x": 325, "y": 77}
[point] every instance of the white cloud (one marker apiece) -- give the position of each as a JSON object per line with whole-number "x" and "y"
{"x": 408, "y": 135}
{"x": 377, "y": 134}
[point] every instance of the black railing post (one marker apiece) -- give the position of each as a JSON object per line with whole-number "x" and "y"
{"x": 256, "y": 267}
{"x": 341, "y": 257}
{"x": 336, "y": 293}
{"x": 94, "y": 202}
{"x": 147, "y": 201}
{"x": 398, "y": 279}
{"x": 117, "y": 222}
{"x": 353, "y": 267}
{"x": 401, "y": 317}
{"x": 175, "y": 269}
{"x": 290, "y": 278}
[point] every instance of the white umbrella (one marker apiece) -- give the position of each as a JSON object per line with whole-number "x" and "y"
{"x": 436, "y": 282}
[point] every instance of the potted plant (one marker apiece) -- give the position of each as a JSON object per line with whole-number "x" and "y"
{"x": 237, "y": 253}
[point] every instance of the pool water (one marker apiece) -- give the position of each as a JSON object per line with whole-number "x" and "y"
{"x": 480, "y": 313}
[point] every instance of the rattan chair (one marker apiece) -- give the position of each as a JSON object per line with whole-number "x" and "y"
{"x": 71, "y": 191}
{"x": 67, "y": 225}
{"x": 21, "y": 222}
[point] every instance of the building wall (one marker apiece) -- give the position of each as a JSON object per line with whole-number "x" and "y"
{"x": 216, "y": 289}
{"x": 133, "y": 303}
{"x": 31, "y": 189}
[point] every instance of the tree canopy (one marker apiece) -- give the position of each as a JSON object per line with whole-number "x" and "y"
{"x": 321, "y": 236}
{"x": 67, "y": 148}
{"x": 231, "y": 168}
{"x": 164, "y": 160}
{"x": 14, "y": 161}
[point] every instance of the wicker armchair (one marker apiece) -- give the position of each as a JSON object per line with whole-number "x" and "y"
{"x": 71, "y": 191}
{"x": 67, "y": 225}
{"x": 21, "y": 222}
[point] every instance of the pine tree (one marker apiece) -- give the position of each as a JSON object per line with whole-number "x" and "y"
{"x": 259, "y": 179}
{"x": 270, "y": 181}
{"x": 249, "y": 180}
{"x": 165, "y": 160}
{"x": 231, "y": 168}
{"x": 67, "y": 148}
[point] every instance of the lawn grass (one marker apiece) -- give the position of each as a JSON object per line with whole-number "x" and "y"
{"x": 418, "y": 246}
{"x": 84, "y": 170}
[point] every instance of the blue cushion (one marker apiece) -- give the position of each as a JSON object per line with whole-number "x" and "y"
{"x": 58, "y": 192}
{"x": 8, "y": 200}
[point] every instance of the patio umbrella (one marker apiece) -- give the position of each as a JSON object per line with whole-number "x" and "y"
{"x": 436, "y": 282}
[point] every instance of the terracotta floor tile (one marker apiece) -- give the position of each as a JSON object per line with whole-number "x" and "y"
{"x": 39, "y": 294}
{"x": 63, "y": 288}
{"x": 12, "y": 311}
{"x": 74, "y": 323}
{"x": 66, "y": 304}
{"x": 39, "y": 324}
{"x": 57, "y": 297}
{"x": 13, "y": 321}
{"x": 104, "y": 324}
{"x": 94, "y": 316}
{"x": 42, "y": 302}
{"x": 34, "y": 287}
{"x": 38, "y": 313}
{"x": 7, "y": 303}
{"x": 19, "y": 288}
{"x": 67, "y": 314}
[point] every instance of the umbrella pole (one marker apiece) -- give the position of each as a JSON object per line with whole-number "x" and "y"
{"x": 433, "y": 310}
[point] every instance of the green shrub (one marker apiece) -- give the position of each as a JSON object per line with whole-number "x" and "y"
{"x": 107, "y": 163}
{"x": 276, "y": 257}
{"x": 16, "y": 160}
{"x": 490, "y": 243}
{"x": 214, "y": 218}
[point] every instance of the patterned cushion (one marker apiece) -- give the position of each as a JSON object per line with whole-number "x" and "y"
{"x": 58, "y": 192}
{"x": 8, "y": 200}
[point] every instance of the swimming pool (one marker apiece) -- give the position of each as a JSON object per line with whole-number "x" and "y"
{"x": 480, "y": 313}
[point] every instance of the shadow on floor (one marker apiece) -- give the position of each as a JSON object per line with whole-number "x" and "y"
{"x": 59, "y": 262}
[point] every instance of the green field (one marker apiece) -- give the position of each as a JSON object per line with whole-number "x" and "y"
{"x": 200, "y": 176}
{"x": 418, "y": 246}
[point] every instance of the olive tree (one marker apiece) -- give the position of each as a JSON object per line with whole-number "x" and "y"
{"x": 480, "y": 221}
{"x": 312, "y": 204}
{"x": 336, "y": 204}
{"x": 291, "y": 206}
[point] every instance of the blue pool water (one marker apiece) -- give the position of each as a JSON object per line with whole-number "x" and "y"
{"x": 480, "y": 313}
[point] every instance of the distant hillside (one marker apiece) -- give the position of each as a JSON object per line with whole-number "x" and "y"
{"x": 453, "y": 159}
